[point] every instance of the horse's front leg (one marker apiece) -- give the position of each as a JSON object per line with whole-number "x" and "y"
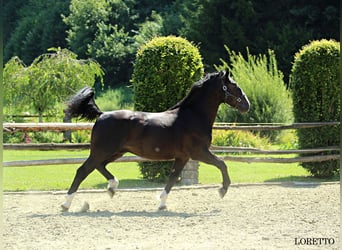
{"x": 176, "y": 170}
{"x": 207, "y": 157}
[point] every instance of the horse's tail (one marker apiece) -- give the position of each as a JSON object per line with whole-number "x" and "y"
{"x": 82, "y": 104}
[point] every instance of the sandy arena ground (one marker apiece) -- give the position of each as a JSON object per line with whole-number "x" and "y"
{"x": 248, "y": 217}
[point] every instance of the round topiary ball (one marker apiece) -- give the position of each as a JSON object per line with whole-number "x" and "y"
{"x": 164, "y": 70}
{"x": 163, "y": 73}
{"x": 315, "y": 84}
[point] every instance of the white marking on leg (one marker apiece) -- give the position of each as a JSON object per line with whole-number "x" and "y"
{"x": 163, "y": 197}
{"x": 68, "y": 199}
{"x": 113, "y": 183}
{"x": 112, "y": 186}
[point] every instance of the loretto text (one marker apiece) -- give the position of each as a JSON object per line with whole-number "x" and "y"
{"x": 314, "y": 241}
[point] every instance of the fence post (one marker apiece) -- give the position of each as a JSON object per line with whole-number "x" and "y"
{"x": 67, "y": 134}
{"x": 189, "y": 174}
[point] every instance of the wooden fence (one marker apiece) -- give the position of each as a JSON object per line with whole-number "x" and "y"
{"x": 29, "y": 127}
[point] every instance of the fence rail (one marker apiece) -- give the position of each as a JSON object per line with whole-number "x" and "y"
{"x": 213, "y": 148}
{"x": 28, "y": 127}
{"x": 32, "y": 127}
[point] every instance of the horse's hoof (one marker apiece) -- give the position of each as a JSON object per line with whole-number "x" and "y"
{"x": 161, "y": 208}
{"x": 111, "y": 192}
{"x": 64, "y": 208}
{"x": 222, "y": 192}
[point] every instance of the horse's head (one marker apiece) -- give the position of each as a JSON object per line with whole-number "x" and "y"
{"x": 233, "y": 94}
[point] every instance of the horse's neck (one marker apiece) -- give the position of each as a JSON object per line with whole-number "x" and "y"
{"x": 210, "y": 112}
{"x": 205, "y": 106}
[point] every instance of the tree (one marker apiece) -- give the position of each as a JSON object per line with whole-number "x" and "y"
{"x": 14, "y": 80}
{"x": 258, "y": 25}
{"x": 103, "y": 30}
{"x": 32, "y": 27}
{"x": 113, "y": 48}
{"x": 82, "y": 22}
{"x": 48, "y": 80}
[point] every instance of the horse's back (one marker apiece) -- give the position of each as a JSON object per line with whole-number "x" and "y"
{"x": 150, "y": 135}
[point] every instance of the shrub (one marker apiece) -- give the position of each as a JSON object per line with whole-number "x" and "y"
{"x": 117, "y": 98}
{"x": 316, "y": 96}
{"x": 164, "y": 70}
{"x": 263, "y": 84}
{"x": 238, "y": 139}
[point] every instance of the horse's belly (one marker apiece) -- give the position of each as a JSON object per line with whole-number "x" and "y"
{"x": 161, "y": 147}
{"x": 153, "y": 152}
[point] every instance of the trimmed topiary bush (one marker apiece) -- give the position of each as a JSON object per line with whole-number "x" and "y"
{"x": 315, "y": 84}
{"x": 164, "y": 70}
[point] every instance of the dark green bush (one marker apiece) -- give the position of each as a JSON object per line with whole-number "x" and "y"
{"x": 316, "y": 98}
{"x": 164, "y": 70}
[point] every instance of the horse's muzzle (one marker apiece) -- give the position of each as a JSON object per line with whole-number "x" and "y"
{"x": 244, "y": 106}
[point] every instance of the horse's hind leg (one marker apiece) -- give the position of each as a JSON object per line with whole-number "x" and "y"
{"x": 82, "y": 172}
{"x": 176, "y": 170}
{"x": 113, "y": 182}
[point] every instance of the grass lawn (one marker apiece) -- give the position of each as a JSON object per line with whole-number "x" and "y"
{"x": 59, "y": 177}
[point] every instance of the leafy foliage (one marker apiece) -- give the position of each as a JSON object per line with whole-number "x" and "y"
{"x": 263, "y": 84}
{"x": 238, "y": 139}
{"x": 111, "y": 31}
{"x": 114, "y": 99}
{"x": 316, "y": 97}
{"x": 14, "y": 79}
{"x": 164, "y": 70}
{"x": 259, "y": 25}
{"x": 33, "y": 26}
{"x": 47, "y": 81}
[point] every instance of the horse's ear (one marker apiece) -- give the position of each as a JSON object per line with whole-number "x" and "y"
{"x": 226, "y": 74}
{"x": 223, "y": 74}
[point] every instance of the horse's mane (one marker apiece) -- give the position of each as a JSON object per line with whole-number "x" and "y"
{"x": 195, "y": 90}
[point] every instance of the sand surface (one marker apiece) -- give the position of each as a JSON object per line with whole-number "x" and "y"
{"x": 248, "y": 217}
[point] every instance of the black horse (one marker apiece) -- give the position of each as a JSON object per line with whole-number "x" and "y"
{"x": 180, "y": 133}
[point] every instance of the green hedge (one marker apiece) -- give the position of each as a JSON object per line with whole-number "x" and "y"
{"x": 164, "y": 70}
{"x": 316, "y": 97}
